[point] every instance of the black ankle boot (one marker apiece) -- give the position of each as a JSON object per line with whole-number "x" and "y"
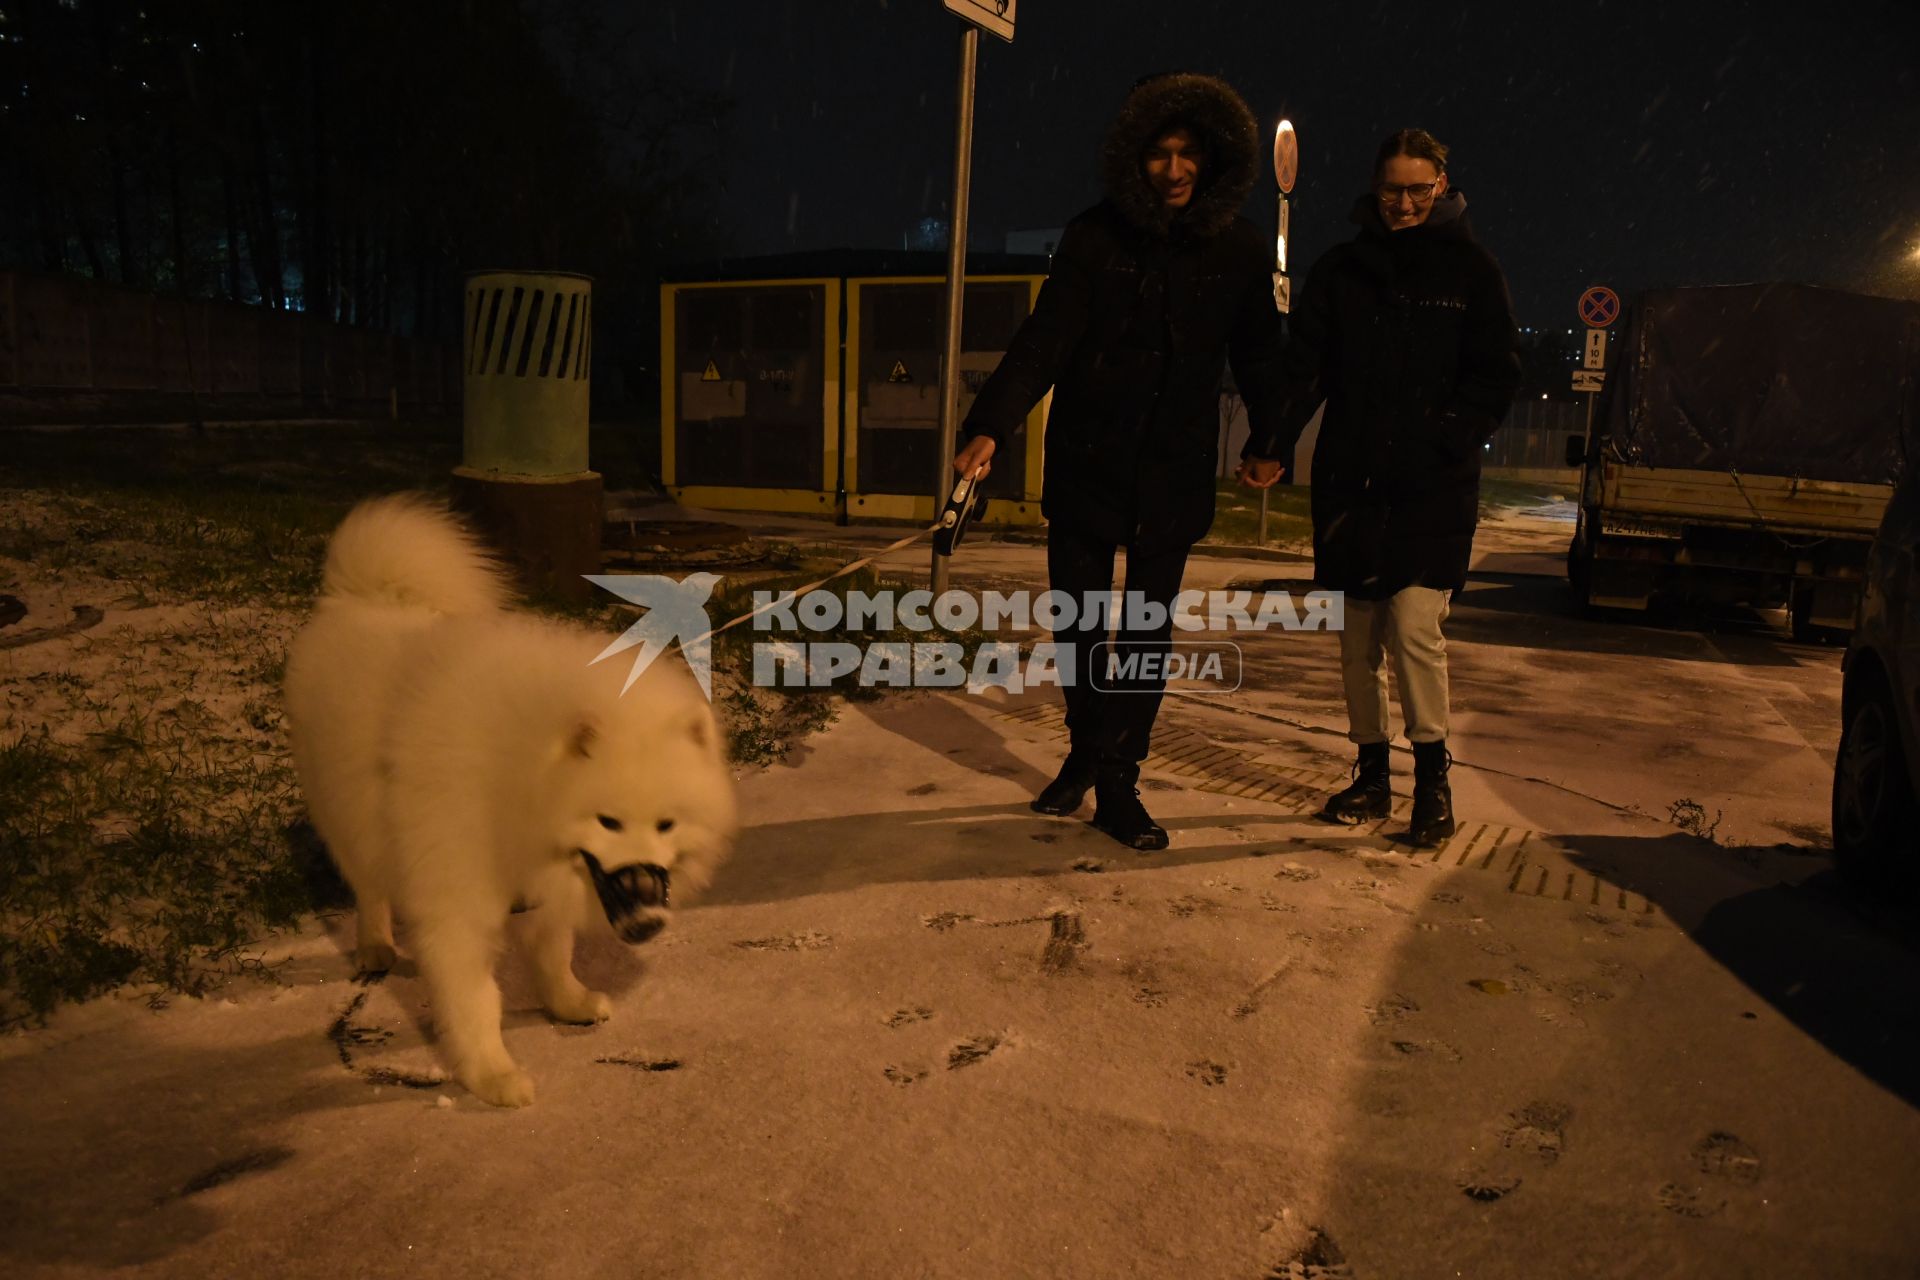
{"x": 1064, "y": 794}
{"x": 1118, "y": 812}
{"x": 1432, "y": 798}
{"x": 1371, "y": 795}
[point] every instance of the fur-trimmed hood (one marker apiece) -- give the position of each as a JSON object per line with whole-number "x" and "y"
{"x": 1206, "y": 105}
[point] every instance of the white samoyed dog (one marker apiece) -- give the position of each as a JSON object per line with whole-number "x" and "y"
{"x": 464, "y": 763}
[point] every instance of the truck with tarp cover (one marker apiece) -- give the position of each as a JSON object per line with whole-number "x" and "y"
{"x": 1743, "y": 449}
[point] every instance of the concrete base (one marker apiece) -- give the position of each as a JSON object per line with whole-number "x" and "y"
{"x": 548, "y": 529}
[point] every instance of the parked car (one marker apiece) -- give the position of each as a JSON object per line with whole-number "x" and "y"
{"x": 1876, "y": 778}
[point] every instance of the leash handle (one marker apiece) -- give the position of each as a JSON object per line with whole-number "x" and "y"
{"x": 958, "y": 513}
{"x": 962, "y": 489}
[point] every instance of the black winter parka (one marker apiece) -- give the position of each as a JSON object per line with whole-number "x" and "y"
{"x": 1141, "y": 311}
{"x": 1408, "y": 337}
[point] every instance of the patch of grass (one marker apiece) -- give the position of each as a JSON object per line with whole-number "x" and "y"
{"x": 1236, "y": 520}
{"x": 221, "y": 515}
{"x": 1290, "y": 518}
{"x": 764, "y": 725}
{"x": 1691, "y": 817}
{"x": 154, "y": 853}
{"x": 214, "y": 546}
{"x": 151, "y": 829}
{"x": 1501, "y": 495}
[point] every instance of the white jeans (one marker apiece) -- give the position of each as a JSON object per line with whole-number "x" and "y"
{"x": 1408, "y": 627}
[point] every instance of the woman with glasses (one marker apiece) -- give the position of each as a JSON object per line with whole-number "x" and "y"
{"x": 1406, "y": 332}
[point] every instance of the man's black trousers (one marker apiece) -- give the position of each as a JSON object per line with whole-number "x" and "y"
{"x": 1110, "y": 717}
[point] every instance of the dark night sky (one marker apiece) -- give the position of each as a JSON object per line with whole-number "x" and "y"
{"x": 1632, "y": 144}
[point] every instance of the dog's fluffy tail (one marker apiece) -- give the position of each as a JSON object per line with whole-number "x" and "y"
{"x": 409, "y": 550}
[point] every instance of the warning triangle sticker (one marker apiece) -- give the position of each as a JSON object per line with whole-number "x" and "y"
{"x": 712, "y": 374}
{"x": 899, "y": 373}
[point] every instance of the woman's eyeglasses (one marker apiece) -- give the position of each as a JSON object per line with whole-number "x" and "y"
{"x": 1420, "y": 191}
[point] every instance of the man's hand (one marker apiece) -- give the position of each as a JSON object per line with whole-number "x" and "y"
{"x": 977, "y": 456}
{"x": 1260, "y": 473}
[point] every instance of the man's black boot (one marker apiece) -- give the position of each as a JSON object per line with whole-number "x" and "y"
{"x": 1117, "y": 809}
{"x": 1432, "y": 798}
{"x": 1371, "y": 795}
{"x": 1064, "y": 794}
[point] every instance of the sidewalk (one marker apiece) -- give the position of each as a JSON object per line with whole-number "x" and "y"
{"x": 916, "y": 1029}
{"x": 865, "y": 535}
{"x": 919, "y": 1030}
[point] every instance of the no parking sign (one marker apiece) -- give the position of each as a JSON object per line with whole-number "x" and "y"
{"x": 1599, "y": 307}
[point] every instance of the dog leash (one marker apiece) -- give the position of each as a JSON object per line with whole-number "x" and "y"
{"x": 956, "y": 516}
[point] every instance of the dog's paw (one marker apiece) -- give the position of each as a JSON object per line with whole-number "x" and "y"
{"x": 582, "y": 1006}
{"x": 510, "y": 1088}
{"x": 374, "y": 958}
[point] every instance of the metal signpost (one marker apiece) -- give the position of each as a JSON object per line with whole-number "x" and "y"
{"x": 1286, "y": 171}
{"x": 995, "y": 16}
{"x": 1599, "y": 307}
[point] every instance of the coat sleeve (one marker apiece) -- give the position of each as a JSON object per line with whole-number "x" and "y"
{"x": 1038, "y": 353}
{"x": 1489, "y": 366}
{"x": 1255, "y": 347}
{"x": 1296, "y": 380}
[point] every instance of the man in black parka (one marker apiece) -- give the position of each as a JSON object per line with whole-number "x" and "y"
{"x": 1149, "y": 294}
{"x": 1407, "y": 334}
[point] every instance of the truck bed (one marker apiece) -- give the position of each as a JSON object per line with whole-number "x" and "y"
{"x": 1782, "y": 504}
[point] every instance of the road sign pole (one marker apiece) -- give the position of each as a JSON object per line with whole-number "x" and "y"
{"x": 1598, "y": 307}
{"x": 1286, "y": 169}
{"x": 956, "y": 285}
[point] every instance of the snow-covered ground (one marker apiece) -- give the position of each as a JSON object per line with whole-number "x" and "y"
{"x": 917, "y": 1029}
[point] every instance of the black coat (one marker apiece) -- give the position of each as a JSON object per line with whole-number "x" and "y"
{"x": 1409, "y": 338}
{"x": 1133, "y": 329}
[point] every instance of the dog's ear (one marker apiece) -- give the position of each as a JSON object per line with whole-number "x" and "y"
{"x": 584, "y": 738}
